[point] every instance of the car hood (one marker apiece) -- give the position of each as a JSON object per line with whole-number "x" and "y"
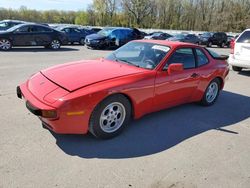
{"x": 95, "y": 37}
{"x": 73, "y": 76}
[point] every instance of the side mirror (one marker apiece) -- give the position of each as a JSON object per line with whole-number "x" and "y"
{"x": 175, "y": 67}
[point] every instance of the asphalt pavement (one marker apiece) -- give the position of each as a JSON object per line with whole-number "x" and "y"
{"x": 187, "y": 146}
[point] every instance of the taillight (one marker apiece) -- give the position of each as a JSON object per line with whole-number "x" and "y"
{"x": 232, "y": 44}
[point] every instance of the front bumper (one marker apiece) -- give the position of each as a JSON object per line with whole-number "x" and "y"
{"x": 63, "y": 124}
{"x": 238, "y": 63}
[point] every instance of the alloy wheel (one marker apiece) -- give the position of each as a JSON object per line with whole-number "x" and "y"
{"x": 212, "y": 92}
{"x": 55, "y": 44}
{"x": 112, "y": 117}
{"x": 5, "y": 44}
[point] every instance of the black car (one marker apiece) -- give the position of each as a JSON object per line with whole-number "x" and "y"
{"x": 111, "y": 37}
{"x": 158, "y": 36}
{"x": 75, "y": 34}
{"x": 210, "y": 38}
{"x": 6, "y": 24}
{"x": 32, "y": 35}
{"x": 189, "y": 38}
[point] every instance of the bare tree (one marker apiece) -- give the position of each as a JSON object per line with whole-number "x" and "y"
{"x": 139, "y": 9}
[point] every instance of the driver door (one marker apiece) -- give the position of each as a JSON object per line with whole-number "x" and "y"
{"x": 22, "y": 36}
{"x": 177, "y": 88}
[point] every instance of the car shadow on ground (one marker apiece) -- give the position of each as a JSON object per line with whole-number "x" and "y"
{"x": 161, "y": 130}
{"x": 244, "y": 72}
{"x": 41, "y": 49}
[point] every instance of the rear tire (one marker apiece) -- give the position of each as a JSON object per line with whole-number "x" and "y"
{"x": 55, "y": 44}
{"x": 110, "y": 117}
{"x": 5, "y": 44}
{"x": 238, "y": 69}
{"x": 211, "y": 94}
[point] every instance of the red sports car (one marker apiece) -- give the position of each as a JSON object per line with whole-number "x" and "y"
{"x": 101, "y": 96}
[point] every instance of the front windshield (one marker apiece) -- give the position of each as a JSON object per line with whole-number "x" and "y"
{"x": 140, "y": 54}
{"x": 105, "y": 32}
{"x": 156, "y": 34}
{"x": 179, "y": 36}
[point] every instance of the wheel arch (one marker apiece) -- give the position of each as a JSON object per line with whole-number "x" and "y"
{"x": 127, "y": 97}
{"x": 221, "y": 81}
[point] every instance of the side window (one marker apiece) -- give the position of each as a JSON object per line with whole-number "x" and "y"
{"x": 67, "y": 30}
{"x": 201, "y": 58}
{"x": 23, "y": 29}
{"x": 76, "y": 30}
{"x": 244, "y": 37}
{"x": 184, "y": 56}
{"x": 42, "y": 29}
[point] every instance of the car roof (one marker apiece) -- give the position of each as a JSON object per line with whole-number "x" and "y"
{"x": 32, "y": 24}
{"x": 19, "y": 21}
{"x": 171, "y": 44}
{"x": 116, "y": 28}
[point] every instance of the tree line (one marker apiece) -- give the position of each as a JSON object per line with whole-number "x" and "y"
{"x": 199, "y": 15}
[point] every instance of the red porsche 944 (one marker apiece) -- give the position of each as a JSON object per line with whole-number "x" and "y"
{"x": 141, "y": 77}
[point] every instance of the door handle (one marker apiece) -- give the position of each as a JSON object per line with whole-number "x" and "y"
{"x": 194, "y": 75}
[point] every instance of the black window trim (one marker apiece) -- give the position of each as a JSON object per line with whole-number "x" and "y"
{"x": 196, "y": 57}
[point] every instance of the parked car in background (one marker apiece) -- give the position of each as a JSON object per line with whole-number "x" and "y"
{"x": 138, "y": 34}
{"x": 32, "y": 35}
{"x": 76, "y": 34}
{"x": 189, "y": 38}
{"x": 6, "y": 24}
{"x": 239, "y": 56}
{"x": 111, "y": 37}
{"x": 158, "y": 36}
{"x": 217, "y": 38}
{"x": 141, "y": 77}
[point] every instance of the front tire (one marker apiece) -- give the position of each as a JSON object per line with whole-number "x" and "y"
{"x": 110, "y": 117}
{"x": 5, "y": 44}
{"x": 55, "y": 44}
{"x": 211, "y": 94}
{"x": 238, "y": 69}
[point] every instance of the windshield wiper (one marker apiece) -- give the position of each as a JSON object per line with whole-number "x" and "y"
{"x": 124, "y": 61}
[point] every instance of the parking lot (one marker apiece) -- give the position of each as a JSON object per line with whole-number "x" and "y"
{"x": 187, "y": 146}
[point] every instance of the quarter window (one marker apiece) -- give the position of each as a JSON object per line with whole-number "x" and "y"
{"x": 244, "y": 38}
{"x": 184, "y": 56}
{"x": 201, "y": 58}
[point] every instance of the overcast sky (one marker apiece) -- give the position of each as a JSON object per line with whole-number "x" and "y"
{"x": 46, "y": 4}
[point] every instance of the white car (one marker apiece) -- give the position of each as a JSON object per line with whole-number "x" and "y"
{"x": 240, "y": 52}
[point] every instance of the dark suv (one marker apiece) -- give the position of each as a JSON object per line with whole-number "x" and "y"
{"x": 218, "y": 38}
